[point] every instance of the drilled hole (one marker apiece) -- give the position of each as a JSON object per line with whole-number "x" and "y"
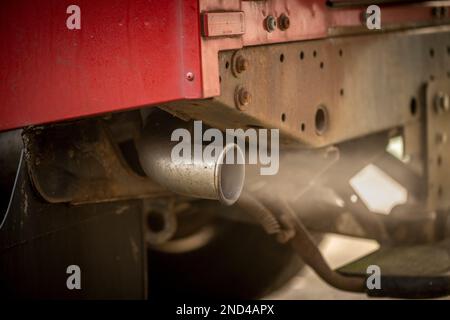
{"x": 413, "y": 106}
{"x": 303, "y": 127}
{"x": 321, "y": 120}
{"x": 281, "y": 57}
{"x": 283, "y": 117}
{"x": 341, "y": 92}
{"x": 340, "y": 52}
{"x": 227, "y": 65}
{"x": 314, "y": 53}
{"x": 431, "y": 52}
{"x": 321, "y": 65}
{"x": 302, "y": 55}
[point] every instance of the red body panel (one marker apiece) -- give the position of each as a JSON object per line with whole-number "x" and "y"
{"x": 128, "y": 53}
{"x": 132, "y": 53}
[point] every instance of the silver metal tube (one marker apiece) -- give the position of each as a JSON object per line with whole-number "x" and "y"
{"x": 205, "y": 178}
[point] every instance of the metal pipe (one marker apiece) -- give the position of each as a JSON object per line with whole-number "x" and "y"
{"x": 209, "y": 178}
{"x": 301, "y": 241}
{"x": 304, "y": 245}
{"x": 259, "y": 213}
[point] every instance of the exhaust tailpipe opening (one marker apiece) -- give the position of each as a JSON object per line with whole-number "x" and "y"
{"x": 210, "y": 178}
{"x": 230, "y": 177}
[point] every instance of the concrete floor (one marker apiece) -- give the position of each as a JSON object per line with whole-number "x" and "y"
{"x": 338, "y": 250}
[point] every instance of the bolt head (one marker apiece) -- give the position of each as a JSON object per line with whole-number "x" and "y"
{"x": 270, "y": 23}
{"x": 245, "y": 97}
{"x": 284, "y": 22}
{"x": 242, "y": 64}
{"x": 364, "y": 15}
{"x": 442, "y": 102}
{"x": 436, "y": 12}
{"x": 190, "y": 76}
{"x": 242, "y": 97}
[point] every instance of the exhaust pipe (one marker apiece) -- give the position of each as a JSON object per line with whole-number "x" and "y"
{"x": 207, "y": 179}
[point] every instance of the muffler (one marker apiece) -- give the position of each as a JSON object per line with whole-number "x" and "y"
{"x": 210, "y": 178}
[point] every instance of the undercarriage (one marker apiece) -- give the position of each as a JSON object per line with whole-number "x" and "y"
{"x": 330, "y": 128}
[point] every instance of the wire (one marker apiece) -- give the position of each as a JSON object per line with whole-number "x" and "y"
{"x": 13, "y": 191}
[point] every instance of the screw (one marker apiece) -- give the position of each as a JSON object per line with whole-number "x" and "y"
{"x": 439, "y": 12}
{"x": 270, "y": 23}
{"x": 242, "y": 97}
{"x": 364, "y": 15}
{"x": 442, "y": 102}
{"x": 242, "y": 64}
{"x": 284, "y": 22}
{"x": 190, "y": 76}
{"x": 436, "y": 12}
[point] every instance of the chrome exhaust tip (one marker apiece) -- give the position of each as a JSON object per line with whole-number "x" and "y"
{"x": 212, "y": 178}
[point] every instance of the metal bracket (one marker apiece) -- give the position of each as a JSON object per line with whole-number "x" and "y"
{"x": 437, "y": 132}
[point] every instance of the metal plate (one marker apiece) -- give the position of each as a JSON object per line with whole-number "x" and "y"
{"x": 365, "y": 84}
{"x": 405, "y": 260}
{"x": 216, "y": 24}
{"x": 40, "y": 240}
{"x": 309, "y": 19}
{"x": 438, "y": 146}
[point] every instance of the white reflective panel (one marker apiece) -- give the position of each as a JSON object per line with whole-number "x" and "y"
{"x": 377, "y": 190}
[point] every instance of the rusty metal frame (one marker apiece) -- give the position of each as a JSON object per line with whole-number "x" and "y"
{"x": 308, "y": 19}
{"x": 78, "y": 163}
{"x": 364, "y": 84}
{"x": 437, "y": 132}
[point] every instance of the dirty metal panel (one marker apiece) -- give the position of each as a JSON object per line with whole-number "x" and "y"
{"x": 40, "y": 240}
{"x": 128, "y": 53}
{"x": 216, "y": 24}
{"x": 405, "y": 260}
{"x": 327, "y": 91}
{"x": 308, "y": 19}
{"x": 406, "y": 271}
{"x": 437, "y": 134}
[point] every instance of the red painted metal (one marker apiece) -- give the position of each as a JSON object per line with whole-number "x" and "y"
{"x": 133, "y": 53}
{"x": 128, "y": 53}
